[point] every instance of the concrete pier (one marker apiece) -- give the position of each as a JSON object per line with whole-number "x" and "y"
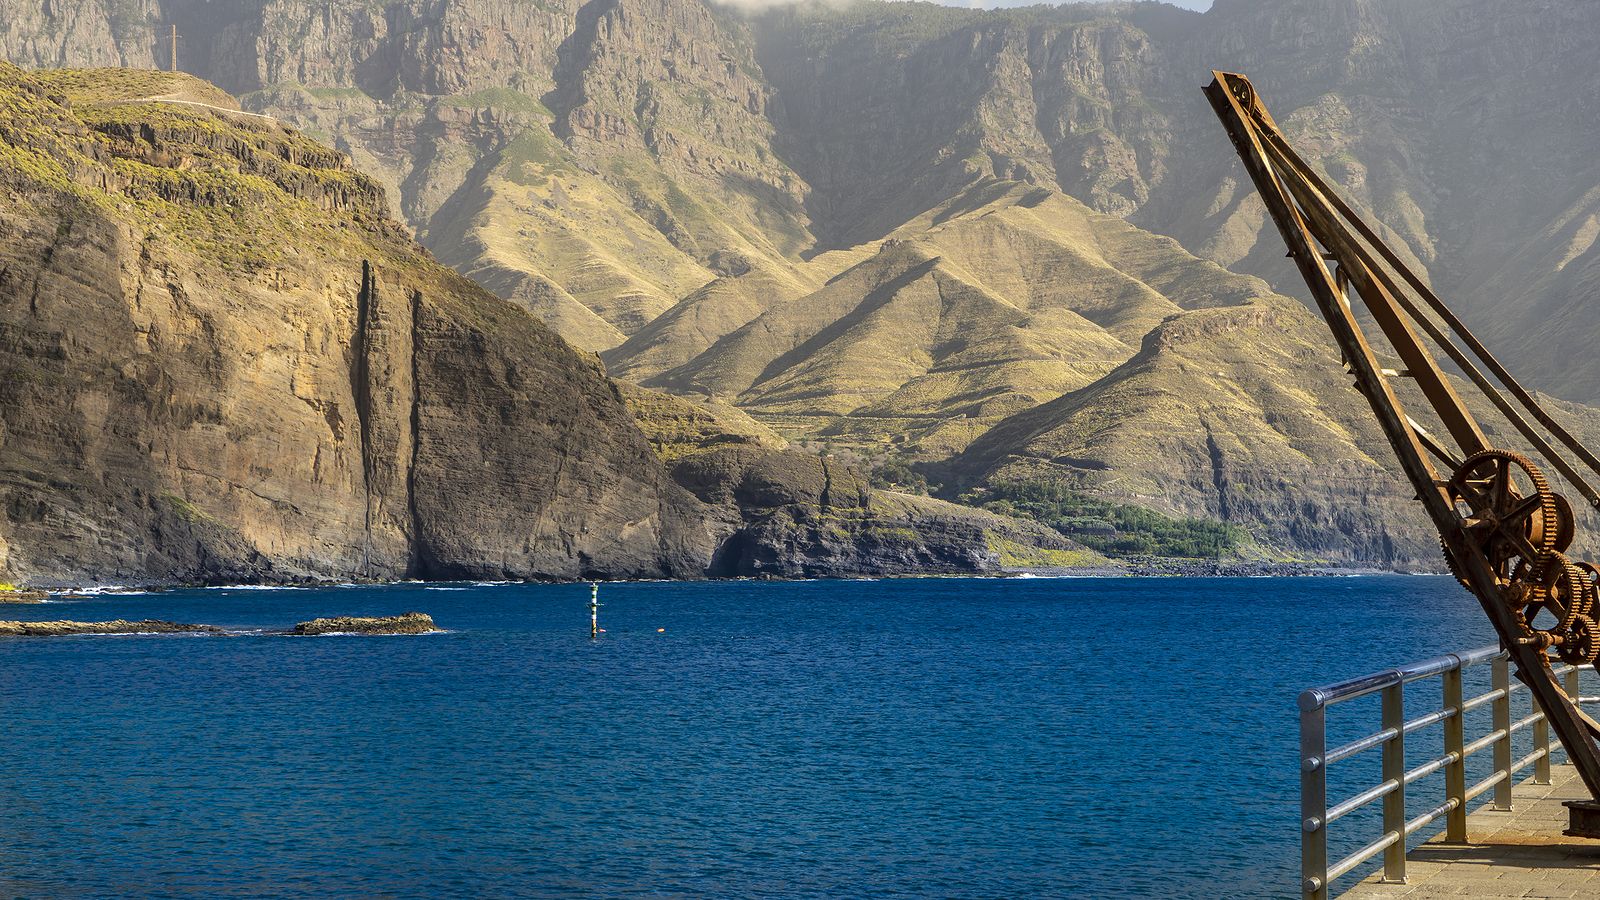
{"x": 1521, "y": 853}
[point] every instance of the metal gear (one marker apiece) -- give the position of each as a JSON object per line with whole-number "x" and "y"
{"x": 1450, "y": 563}
{"x": 1566, "y": 523}
{"x": 1560, "y": 590}
{"x": 1506, "y": 520}
{"x": 1580, "y": 644}
{"x": 1591, "y": 575}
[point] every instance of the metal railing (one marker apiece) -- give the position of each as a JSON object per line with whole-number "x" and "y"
{"x": 1315, "y": 758}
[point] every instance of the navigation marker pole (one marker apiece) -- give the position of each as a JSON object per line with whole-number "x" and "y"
{"x": 594, "y": 610}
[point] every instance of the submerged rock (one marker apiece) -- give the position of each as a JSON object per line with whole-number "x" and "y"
{"x": 405, "y": 623}
{"x": 116, "y": 626}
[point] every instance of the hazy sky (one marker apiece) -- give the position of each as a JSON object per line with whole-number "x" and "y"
{"x": 991, "y": 4}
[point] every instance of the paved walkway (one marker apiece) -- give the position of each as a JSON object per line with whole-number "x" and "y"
{"x": 1521, "y": 853}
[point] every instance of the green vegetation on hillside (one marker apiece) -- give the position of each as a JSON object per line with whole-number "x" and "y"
{"x": 898, "y": 475}
{"x": 1112, "y": 528}
{"x": 110, "y": 85}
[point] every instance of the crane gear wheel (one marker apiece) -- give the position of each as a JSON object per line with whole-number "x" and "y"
{"x": 1450, "y": 563}
{"x": 1591, "y": 580}
{"x": 1566, "y": 523}
{"x": 1580, "y": 645}
{"x": 1507, "y": 508}
{"x": 1562, "y": 591}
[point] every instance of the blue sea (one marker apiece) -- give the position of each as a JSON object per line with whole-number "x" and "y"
{"x": 899, "y": 738}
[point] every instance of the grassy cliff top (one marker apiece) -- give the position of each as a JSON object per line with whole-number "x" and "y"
{"x": 241, "y": 190}
{"x": 112, "y": 85}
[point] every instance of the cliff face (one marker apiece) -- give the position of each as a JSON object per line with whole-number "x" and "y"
{"x": 224, "y": 362}
{"x": 227, "y": 363}
{"x": 777, "y": 511}
{"x": 1465, "y": 127}
{"x": 711, "y": 145}
{"x": 891, "y": 227}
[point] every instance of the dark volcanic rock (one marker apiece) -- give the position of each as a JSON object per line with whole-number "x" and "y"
{"x": 794, "y": 515}
{"x": 405, "y": 623}
{"x": 116, "y": 626}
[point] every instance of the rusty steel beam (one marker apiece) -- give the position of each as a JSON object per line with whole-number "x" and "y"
{"x": 1502, "y": 528}
{"x": 1278, "y": 144}
{"x": 1313, "y": 195}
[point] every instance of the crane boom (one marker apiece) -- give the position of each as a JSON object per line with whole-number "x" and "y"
{"x": 1503, "y": 530}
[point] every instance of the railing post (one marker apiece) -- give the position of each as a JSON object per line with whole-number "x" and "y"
{"x": 1313, "y": 797}
{"x": 1502, "y": 723}
{"x": 1455, "y": 773}
{"x": 1394, "y": 769}
{"x": 1541, "y": 741}
{"x": 1574, "y": 687}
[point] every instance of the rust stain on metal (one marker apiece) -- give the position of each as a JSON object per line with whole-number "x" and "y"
{"x": 1504, "y": 530}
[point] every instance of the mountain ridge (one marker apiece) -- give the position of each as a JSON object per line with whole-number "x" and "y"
{"x": 721, "y": 203}
{"x": 227, "y": 363}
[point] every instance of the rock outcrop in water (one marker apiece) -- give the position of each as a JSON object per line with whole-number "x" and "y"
{"x": 63, "y": 628}
{"x": 405, "y": 623}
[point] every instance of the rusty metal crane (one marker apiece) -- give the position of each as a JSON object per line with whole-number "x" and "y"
{"x": 1503, "y": 530}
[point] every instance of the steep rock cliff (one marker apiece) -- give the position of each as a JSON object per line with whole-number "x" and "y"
{"x": 226, "y": 363}
{"x": 708, "y": 198}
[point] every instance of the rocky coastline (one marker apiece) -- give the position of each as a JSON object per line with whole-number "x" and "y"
{"x": 1129, "y": 567}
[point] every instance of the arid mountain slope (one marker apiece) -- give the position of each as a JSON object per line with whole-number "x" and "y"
{"x": 225, "y": 362}
{"x": 1006, "y": 297}
{"x": 890, "y": 226}
{"x": 1238, "y": 414}
{"x": 603, "y": 161}
{"x": 228, "y": 363}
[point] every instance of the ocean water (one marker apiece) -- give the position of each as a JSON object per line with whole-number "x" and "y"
{"x": 904, "y": 738}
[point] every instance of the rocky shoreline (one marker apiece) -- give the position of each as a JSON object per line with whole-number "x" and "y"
{"x": 1132, "y": 567}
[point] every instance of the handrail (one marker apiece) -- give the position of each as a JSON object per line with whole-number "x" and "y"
{"x": 1341, "y": 691}
{"x": 1317, "y": 871}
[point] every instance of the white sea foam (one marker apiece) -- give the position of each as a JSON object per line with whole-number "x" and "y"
{"x": 444, "y": 589}
{"x": 358, "y": 634}
{"x": 255, "y": 587}
{"x": 98, "y": 589}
